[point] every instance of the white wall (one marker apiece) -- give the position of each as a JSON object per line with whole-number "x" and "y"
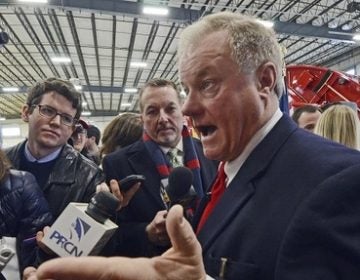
{"x": 100, "y": 122}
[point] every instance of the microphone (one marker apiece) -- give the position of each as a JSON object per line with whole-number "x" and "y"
{"x": 83, "y": 229}
{"x": 180, "y": 189}
{"x": 6, "y": 253}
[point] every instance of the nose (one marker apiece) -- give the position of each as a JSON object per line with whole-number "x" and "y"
{"x": 163, "y": 117}
{"x": 191, "y": 105}
{"x": 56, "y": 119}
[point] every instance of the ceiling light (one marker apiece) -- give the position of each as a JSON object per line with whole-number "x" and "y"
{"x": 61, "y": 59}
{"x": 2, "y": 119}
{"x": 126, "y": 104}
{"x": 131, "y": 90}
{"x": 10, "y": 89}
{"x": 86, "y": 113}
{"x": 356, "y": 37}
{"x": 155, "y": 11}
{"x": 78, "y": 87}
{"x": 138, "y": 64}
{"x": 34, "y": 1}
{"x": 10, "y": 131}
{"x": 266, "y": 23}
{"x": 84, "y": 104}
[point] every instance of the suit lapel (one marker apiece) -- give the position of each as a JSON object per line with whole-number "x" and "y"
{"x": 225, "y": 210}
{"x": 141, "y": 162}
{"x": 242, "y": 188}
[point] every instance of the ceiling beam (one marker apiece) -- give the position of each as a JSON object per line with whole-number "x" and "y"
{"x": 184, "y": 15}
{"x": 113, "y": 7}
{"x": 308, "y": 30}
{"x": 85, "y": 88}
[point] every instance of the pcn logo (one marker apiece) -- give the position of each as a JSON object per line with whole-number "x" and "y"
{"x": 80, "y": 228}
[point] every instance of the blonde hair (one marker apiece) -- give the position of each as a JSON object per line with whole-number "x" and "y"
{"x": 251, "y": 43}
{"x": 5, "y": 165}
{"x": 341, "y": 124}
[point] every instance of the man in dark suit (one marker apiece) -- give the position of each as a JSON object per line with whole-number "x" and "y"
{"x": 289, "y": 208}
{"x": 142, "y": 223}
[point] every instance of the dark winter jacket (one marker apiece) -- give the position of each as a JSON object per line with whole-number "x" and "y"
{"x": 73, "y": 179}
{"x": 23, "y": 211}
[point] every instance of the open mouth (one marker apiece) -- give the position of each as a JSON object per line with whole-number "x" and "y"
{"x": 206, "y": 130}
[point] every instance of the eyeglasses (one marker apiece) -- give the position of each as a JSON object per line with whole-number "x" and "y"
{"x": 50, "y": 113}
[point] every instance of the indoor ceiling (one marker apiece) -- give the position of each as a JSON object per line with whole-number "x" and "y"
{"x": 102, "y": 38}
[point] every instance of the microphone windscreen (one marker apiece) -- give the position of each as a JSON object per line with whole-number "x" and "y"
{"x": 102, "y": 206}
{"x": 180, "y": 181}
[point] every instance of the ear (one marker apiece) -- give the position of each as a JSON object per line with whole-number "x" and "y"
{"x": 267, "y": 75}
{"x": 25, "y": 112}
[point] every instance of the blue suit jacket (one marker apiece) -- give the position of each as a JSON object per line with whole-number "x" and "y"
{"x": 291, "y": 212}
{"x": 135, "y": 159}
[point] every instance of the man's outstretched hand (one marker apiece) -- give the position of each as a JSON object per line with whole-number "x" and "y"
{"x": 182, "y": 261}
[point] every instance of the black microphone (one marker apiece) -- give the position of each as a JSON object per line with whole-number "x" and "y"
{"x": 180, "y": 189}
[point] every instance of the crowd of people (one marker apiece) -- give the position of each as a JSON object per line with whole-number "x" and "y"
{"x": 273, "y": 199}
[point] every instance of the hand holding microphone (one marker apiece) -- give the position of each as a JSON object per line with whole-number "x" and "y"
{"x": 180, "y": 189}
{"x": 123, "y": 190}
{"x": 156, "y": 230}
{"x": 83, "y": 229}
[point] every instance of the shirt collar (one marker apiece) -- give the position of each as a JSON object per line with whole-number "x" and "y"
{"x": 233, "y": 167}
{"x": 47, "y": 158}
{"x": 179, "y": 146}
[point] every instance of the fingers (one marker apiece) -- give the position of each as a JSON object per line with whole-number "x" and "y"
{"x": 180, "y": 231}
{"x": 130, "y": 193}
{"x": 102, "y": 188}
{"x": 72, "y": 268}
{"x": 91, "y": 268}
{"x": 29, "y": 273}
{"x": 39, "y": 237}
{"x": 115, "y": 190}
{"x": 156, "y": 230}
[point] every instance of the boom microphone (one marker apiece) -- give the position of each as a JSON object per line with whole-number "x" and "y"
{"x": 83, "y": 229}
{"x": 180, "y": 189}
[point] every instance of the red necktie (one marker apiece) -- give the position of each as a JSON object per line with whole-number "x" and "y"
{"x": 217, "y": 190}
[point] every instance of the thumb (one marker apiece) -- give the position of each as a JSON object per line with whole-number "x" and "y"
{"x": 181, "y": 234}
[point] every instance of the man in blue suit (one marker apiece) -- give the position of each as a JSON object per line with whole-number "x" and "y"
{"x": 290, "y": 205}
{"x": 290, "y": 209}
{"x": 142, "y": 223}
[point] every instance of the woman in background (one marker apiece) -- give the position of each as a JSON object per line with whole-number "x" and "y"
{"x": 123, "y": 130}
{"x": 23, "y": 210}
{"x": 340, "y": 123}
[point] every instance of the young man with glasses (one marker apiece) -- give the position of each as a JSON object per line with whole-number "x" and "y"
{"x": 52, "y": 110}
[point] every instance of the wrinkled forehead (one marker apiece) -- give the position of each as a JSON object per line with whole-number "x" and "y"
{"x": 159, "y": 96}
{"x": 200, "y": 57}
